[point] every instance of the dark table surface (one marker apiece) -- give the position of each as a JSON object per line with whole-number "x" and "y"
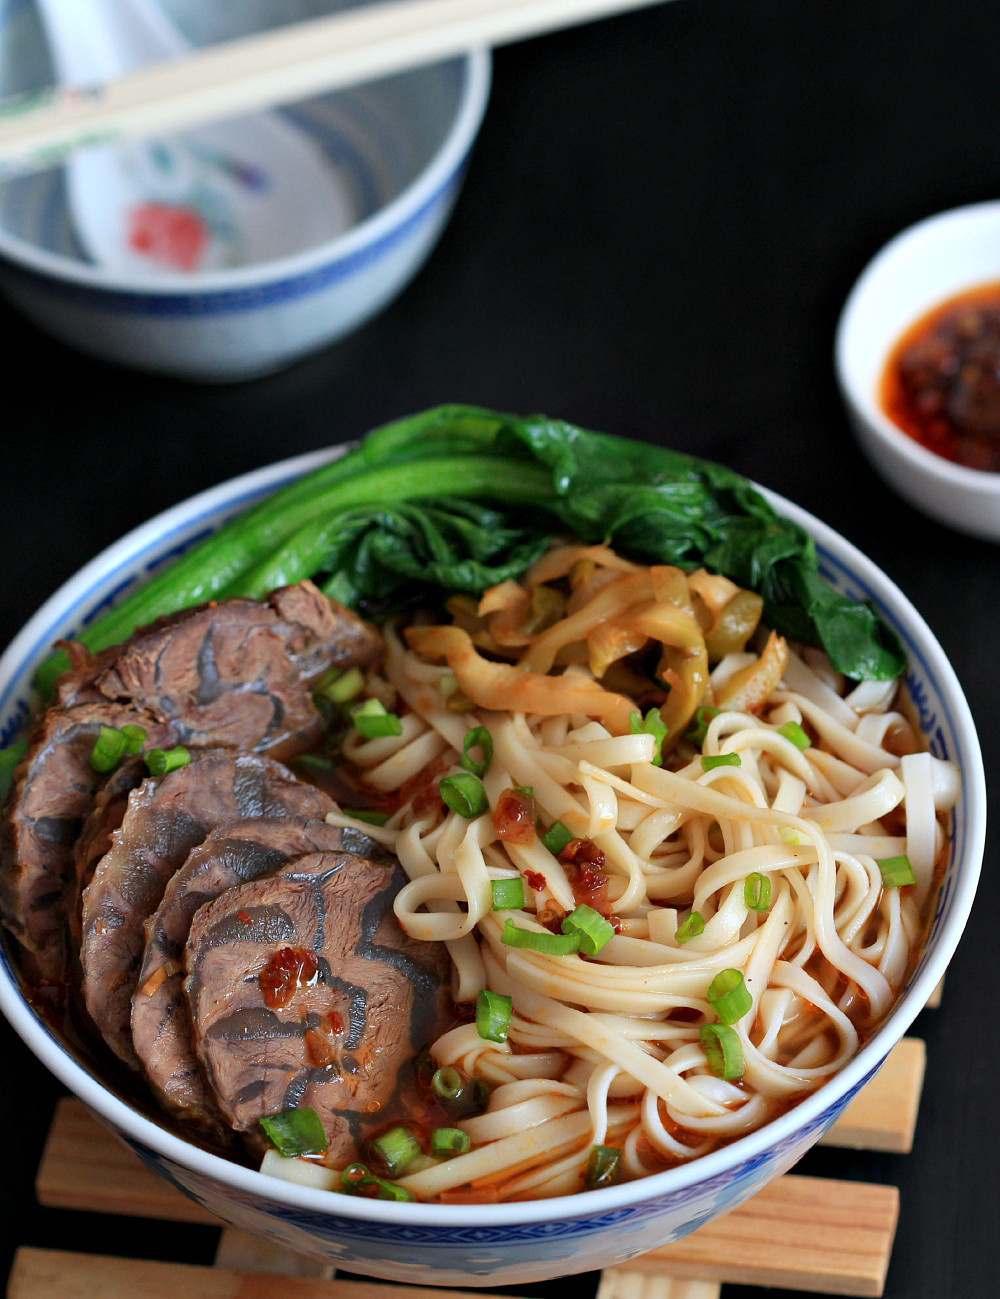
{"x": 661, "y": 221}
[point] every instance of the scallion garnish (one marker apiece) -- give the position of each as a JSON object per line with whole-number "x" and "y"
{"x": 393, "y": 1151}
{"x": 356, "y": 1178}
{"x": 593, "y": 928}
{"x": 372, "y": 722}
{"x": 508, "y": 895}
{"x": 711, "y": 760}
{"x": 9, "y": 758}
{"x": 729, "y": 996}
{"x": 160, "y": 761}
{"x": 108, "y": 750}
{"x": 546, "y": 943}
{"x": 555, "y": 838}
{"x": 652, "y": 724}
{"x": 896, "y": 872}
{"x": 458, "y": 1094}
{"x": 493, "y": 1011}
{"x": 464, "y": 794}
{"x": 757, "y": 891}
{"x": 602, "y": 1167}
{"x": 698, "y": 728}
{"x": 447, "y": 1083}
{"x": 369, "y": 818}
{"x": 478, "y": 738}
{"x": 134, "y": 736}
{"x": 523, "y": 791}
{"x": 295, "y": 1132}
{"x": 338, "y": 686}
{"x": 723, "y": 1051}
{"x": 691, "y": 926}
{"x": 794, "y": 732}
{"x": 449, "y": 1141}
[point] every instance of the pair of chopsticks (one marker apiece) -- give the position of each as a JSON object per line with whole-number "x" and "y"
{"x": 39, "y": 129}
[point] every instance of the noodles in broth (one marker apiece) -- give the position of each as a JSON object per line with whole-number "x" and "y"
{"x": 754, "y": 826}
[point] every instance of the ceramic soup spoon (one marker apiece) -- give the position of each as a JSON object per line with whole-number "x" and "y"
{"x": 225, "y": 195}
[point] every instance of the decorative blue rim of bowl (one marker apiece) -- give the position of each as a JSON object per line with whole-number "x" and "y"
{"x": 261, "y": 285}
{"x": 952, "y": 734}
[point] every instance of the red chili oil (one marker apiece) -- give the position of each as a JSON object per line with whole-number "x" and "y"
{"x": 288, "y": 970}
{"x": 514, "y": 818}
{"x": 941, "y": 383}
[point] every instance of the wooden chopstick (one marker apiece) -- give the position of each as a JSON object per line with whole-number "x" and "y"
{"x": 39, "y": 129}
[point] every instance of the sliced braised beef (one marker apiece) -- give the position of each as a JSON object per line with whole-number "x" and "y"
{"x": 103, "y": 819}
{"x": 166, "y": 817}
{"x": 52, "y": 792}
{"x": 235, "y": 853}
{"x": 238, "y": 673}
{"x": 304, "y": 991}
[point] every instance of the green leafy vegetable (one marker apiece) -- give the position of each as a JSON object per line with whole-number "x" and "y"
{"x": 463, "y": 498}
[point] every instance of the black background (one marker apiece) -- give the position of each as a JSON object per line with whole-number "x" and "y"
{"x": 662, "y": 218}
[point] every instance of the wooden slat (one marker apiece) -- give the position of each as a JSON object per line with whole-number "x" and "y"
{"x": 239, "y": 1252}
{"x": 619, "y": 1283}
{"x": 934, "y": 1000}
{"x": 800, "y": 1233}
{"x": 84, "y": 1166}
{"x": 884, "y": 1115}
{"x": 45, "y": 1273}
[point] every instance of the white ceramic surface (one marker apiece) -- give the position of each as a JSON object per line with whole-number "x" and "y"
{"x": 225, "y": 194}
{"x": 399, "y": 147}
{"x": 922, "y": 267}
{"x": 509, "y": 1243}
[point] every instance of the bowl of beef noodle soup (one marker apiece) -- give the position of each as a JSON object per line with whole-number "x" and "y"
{"x": 514, "y": 936}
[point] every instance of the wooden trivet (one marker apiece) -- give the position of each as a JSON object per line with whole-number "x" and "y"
{"x": 802, "y": 1233}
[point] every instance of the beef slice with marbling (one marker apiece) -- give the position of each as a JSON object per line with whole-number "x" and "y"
{"x": 370, "y": 999}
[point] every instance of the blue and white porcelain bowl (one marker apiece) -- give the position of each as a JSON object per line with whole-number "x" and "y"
{"x": 398, "y": 149}
{"x": 509, "y": 1243}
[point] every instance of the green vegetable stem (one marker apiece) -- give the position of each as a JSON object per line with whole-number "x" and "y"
{"x": 461, "y": 498}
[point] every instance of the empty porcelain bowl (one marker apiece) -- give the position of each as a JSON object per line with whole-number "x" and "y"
{"x": 397, "y": 149}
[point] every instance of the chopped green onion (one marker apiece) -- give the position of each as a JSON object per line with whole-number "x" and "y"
{"x": 295, "y": 1132}
{"x": 108, "y": 750}
{"x": 493, "y": 1015}
{"x": 757, "y": 891}
{"x": 459, "y": 1095}
{"x": 369, "y": 818}
{"x": 449, "y": 1141}
{"x": 709, "y": 761}
{"x": 691, "y": 926}
{"x": 729, "y": 996}
{"x": 896, "y": 872}
{"x": 546, "y": 943}
{"x": 723, "y": 1051}
{"x": 9, "y": 758}
{"x": 134, "y": 736}
{"x": 371, "y": 721}
{"x": 602, "y": 1167}
{"x": 478, "y": 738}
{"x": 447, "y": 1083}
{"x": 393, "y": 1151}
{"x": 356, "y": 1177}
{"x": 337, "y": 687}
{"x": 593, "y": 928}
{"x": 160, "y": 761}
{"x": 508, "y": 895}
{"x": 652, "y": 724}
{"x": 524, "y": 791}
{"x": 555, "y": 838}
{"x": 788, "y": 834}
{"x": 464, "y": 794}
{"x": 794, "y": 732}
{"x": 698, "y": 728}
